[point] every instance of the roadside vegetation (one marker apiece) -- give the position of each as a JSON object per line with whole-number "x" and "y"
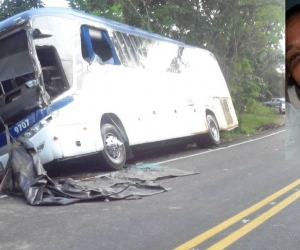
{"x": 257, "y": 119}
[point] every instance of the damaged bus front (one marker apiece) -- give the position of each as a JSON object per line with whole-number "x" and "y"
{"x": 21, "y": 84}
{"x": 27, "y": 65}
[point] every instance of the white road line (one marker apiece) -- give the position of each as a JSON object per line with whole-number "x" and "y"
{"x": 217, "y": 149}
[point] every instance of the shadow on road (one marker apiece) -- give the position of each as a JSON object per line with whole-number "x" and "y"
{"x": 89, "y": 166}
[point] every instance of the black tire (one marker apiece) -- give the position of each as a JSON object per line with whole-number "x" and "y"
{"x": 212, "y": 138}
{"x": 114, "y": 152}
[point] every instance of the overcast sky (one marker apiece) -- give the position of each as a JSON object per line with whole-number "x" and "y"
{"x": 55, "y": 3}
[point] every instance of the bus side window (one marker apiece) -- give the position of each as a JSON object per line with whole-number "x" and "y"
{"x": 140, "y": 47}
{"x": 54, "y": 79}
{"x": 127, "y": 49}
{"x": 95, "y": 43}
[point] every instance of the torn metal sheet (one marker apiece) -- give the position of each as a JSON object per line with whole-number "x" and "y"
{"x": 29, "y": 179}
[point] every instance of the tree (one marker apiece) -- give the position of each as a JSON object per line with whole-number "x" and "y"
{"x": 11, "y": 7}
{"x": 105, "y": 8}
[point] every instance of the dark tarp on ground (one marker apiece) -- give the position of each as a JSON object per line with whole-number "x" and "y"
{"x": 28, "y": 178}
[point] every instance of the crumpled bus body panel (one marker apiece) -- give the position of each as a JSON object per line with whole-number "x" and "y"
{"x": 19, "y": 88}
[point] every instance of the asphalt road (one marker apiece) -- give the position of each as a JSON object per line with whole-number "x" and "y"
{"x": 236, "y": 201}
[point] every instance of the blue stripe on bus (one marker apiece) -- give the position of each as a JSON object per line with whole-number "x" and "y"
{"x": 34, "y": 118}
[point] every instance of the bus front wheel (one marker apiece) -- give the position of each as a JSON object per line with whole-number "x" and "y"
{"x": 212, "y": 138}
{"x": 114, "y": 152}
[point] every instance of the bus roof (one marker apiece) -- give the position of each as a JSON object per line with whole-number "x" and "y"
{"x": 88, "y": 18}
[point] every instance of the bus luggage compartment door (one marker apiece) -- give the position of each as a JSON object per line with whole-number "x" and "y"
{"x": 76, "y": 140}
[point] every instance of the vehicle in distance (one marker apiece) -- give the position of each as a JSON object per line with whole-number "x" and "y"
{"x": 282, "y": 107}
{"x": 274, "y": 102}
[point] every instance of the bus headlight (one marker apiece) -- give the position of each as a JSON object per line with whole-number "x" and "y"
{"x": 36, "y": 128}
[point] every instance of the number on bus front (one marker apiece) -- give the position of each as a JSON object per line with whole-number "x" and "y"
{"x": 21, "y": 126}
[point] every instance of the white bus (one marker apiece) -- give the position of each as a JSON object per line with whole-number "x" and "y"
{"x": 76, "y": 84}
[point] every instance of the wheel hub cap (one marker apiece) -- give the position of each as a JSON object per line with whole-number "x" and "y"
{"x": 214, "y": 131}
{"x": 113, "y": 146}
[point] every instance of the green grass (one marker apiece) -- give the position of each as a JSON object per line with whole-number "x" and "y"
{"x": 251, "y": 121}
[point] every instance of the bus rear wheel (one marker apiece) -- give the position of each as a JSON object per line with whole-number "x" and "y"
{"x": 212, "y": 138}
{"x": 113, "y": 152}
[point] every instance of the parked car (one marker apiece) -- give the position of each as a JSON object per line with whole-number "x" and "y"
{"x": 282, "y": 107}
{"x": 275, "y": 102}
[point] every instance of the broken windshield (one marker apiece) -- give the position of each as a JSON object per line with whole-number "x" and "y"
{"x": 15, "y": 60}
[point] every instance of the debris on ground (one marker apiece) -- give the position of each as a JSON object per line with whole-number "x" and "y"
{"x": 29, "y": 179}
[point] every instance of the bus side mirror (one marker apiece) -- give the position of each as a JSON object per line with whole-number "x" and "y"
{"x": 42, "y": 33}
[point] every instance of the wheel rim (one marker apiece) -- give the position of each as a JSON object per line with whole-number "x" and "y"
{"x": 214, "y": 130}
{"x": 113, "y": 146}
